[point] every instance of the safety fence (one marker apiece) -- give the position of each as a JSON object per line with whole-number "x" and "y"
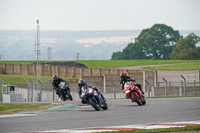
{"x": 109, "y": 85}
{"x": 42, "y": 92}
{"x": 182, "y": 88}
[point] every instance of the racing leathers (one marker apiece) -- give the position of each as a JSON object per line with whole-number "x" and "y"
{"x": 55, "y": 84}
{"x": 128, "y": 79}
{"x": 79, "y": 89}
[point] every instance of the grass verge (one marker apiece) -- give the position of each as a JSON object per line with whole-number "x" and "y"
{"x": 11, "y": 108}
{"x": 125, "y": 63}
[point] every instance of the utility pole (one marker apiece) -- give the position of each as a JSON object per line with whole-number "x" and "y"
{"x": 0, "y": 57}
{"x": 77, "y": 55}
{"x": 37, "y": 50}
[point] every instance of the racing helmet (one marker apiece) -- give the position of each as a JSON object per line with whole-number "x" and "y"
{"x": 55, "y": 76}
{"x": 123, "y": 76}
{"x": 81, "y": 82}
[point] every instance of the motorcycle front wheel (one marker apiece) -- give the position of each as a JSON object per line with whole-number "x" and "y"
{"x": 143, "y": 100}
{"x": 94, "y": 104}
{"x": 104, "y": 106}
{"x": 63, "y": 96}
{"x": 137, "y": 100}
{"x": 70, "y": 97}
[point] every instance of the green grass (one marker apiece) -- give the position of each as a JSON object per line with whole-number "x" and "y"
{"x": 10, "y": 108}
{"x": 124, "y": 63}
{"x": 170, "y": 64}
{"x": 20, "y": 79}
{"x": 18, "y": 62}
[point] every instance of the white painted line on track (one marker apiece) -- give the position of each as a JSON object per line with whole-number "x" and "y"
{"x": 125, "y": 127}
{"x": 16, "y": 115}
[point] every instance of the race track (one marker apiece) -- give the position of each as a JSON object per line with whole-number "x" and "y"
{"x": 120, "y": 112}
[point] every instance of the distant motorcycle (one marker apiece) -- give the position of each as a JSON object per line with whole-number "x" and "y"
{"x": 65, "y": 91}
{"x": 91, "y": 97}
{"x": 134, "y": 93}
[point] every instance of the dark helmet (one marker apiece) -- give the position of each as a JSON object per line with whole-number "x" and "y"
{"x": 123, "y": 76}
{"x": 81, "y": 82}
{"x": 55, "y": 77}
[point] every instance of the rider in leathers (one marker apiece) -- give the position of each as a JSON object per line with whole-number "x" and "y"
{"x": 81, "y": 84}
{"x": 55, "y": 83}
{"x": 125, "y": 78}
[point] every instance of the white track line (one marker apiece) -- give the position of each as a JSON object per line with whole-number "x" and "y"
{"x": 16, "y": 115}
{"x": 127, "y": 127}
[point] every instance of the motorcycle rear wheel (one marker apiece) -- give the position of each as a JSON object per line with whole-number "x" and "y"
{"x": 63, "y": 97}
{"x": 137, "y": 100}
{"x": 94, "y": 104}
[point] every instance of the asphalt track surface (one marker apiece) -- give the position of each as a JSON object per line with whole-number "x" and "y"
{"x": 120, "y": 112}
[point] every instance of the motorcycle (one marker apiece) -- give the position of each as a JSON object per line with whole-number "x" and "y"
{"x": 134, "y": 93}
{"x": 65, "y": 91}
{"x": 93, "y": 98}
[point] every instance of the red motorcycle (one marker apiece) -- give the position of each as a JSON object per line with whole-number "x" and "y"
{"x": 134, "y": 93}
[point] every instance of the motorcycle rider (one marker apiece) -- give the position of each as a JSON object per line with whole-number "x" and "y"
{"x": 85, "y": 85}
{"x": 55, "y": 83}
{"x": 125, "y": 78}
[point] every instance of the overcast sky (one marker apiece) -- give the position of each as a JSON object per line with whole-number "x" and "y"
{"x": 99, "y": 14}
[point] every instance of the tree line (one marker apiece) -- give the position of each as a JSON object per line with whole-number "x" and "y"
{"x": 161, "y": 42}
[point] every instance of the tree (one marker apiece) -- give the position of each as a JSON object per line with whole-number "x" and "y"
{"x": 186, "y": 48}
{"x": 116, "y": 55}
{"x": 156, "y": 42}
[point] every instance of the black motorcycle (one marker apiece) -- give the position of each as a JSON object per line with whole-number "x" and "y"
{"x": 65, "y": 91}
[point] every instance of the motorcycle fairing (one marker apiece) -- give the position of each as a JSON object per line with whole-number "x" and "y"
{"x": 91, "y": 93}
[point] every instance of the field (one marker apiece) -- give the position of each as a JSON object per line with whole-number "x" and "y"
{"x": 161, "y": 64}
